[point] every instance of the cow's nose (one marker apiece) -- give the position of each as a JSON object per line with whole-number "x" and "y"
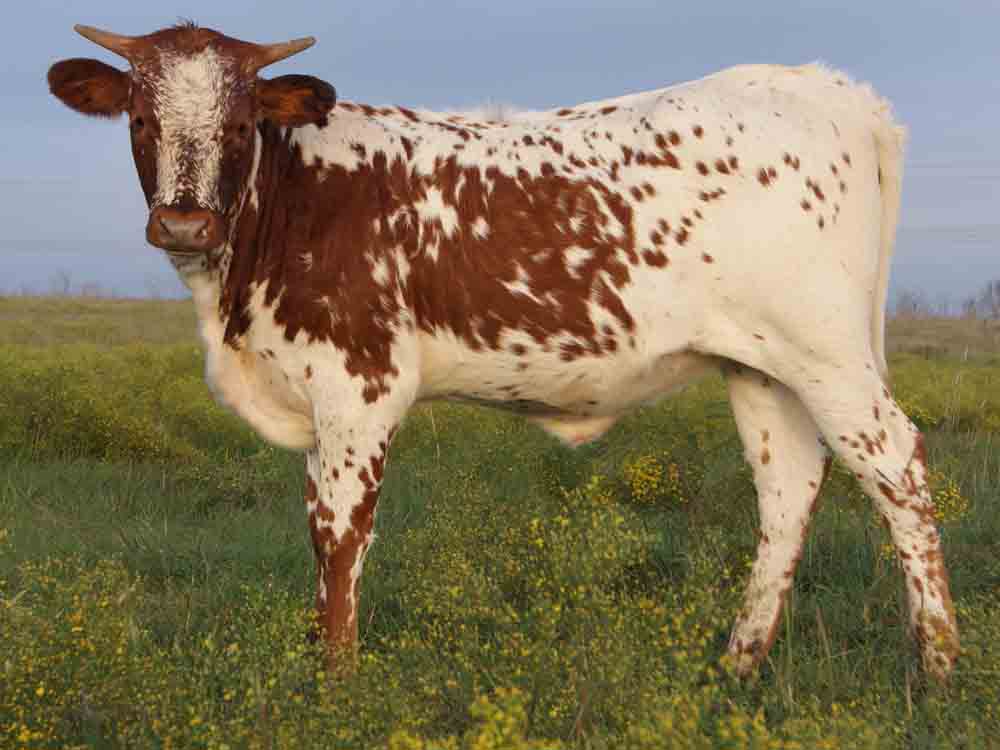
{"x": 198, "y": 230}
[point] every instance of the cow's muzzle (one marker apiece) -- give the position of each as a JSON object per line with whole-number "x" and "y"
{"x": 185, "y": 231}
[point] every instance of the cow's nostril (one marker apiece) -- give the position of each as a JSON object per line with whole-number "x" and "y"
{"x": 203, "y": 232}
{"x": 164, "y": 227}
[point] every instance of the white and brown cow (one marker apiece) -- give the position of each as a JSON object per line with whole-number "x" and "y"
{"x": 347, "y": 261}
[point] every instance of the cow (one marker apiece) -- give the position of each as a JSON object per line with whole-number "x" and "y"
{"x": 347, "y": 261}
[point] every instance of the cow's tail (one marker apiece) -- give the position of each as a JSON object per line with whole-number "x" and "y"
{"x": 890, "y": 138}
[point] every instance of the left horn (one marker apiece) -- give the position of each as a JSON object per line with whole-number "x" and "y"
{"x": 268, "y": 54}
{"x": 117, "y": 43}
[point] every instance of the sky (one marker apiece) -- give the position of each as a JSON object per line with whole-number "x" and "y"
{"x": 73, "y": 213}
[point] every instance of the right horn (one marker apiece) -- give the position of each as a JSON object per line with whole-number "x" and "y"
{"x": 268, "y": 54}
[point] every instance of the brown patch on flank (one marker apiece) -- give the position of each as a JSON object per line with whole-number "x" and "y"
{"x": 707, "y": 258}
{"x": 702, "y": 168}
{"x": 698, "y": 131}
{"x": 765, "y": 456}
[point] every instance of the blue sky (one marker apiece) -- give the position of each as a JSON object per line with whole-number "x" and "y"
{"x": 69, "y": 197}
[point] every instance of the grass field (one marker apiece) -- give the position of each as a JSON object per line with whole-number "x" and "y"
{"x": 156, "y": 574}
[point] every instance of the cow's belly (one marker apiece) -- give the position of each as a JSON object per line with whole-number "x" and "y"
{"x": 576, "y": 400}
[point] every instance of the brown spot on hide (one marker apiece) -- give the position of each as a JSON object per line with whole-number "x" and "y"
{"x": 791, "y": 161}
{"x": 698, "y": 131}
{"x": 656, "y": 259}
{"x": 890, "y": 494}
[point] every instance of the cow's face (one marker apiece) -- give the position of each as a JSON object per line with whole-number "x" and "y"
{"x": 194, "y": 102}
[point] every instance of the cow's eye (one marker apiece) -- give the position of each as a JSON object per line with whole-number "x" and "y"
{"x": 243, "y": 130}
{"x": 138, "y": 124}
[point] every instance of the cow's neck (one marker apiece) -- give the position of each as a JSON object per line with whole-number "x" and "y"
{"x": 238, "y": 271}
{"x": 305, "y": 242}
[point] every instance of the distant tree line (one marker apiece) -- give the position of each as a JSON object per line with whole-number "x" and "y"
{"x": 983, "y": 305}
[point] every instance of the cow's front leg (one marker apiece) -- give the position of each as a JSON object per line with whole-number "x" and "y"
{"x": 343, "y": 476}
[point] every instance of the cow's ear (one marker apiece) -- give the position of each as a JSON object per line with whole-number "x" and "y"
{"x": 90, "y": 86}
{"x": 295, "y": 100}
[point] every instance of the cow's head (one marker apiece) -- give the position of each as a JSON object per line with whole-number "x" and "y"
{"x": 194, "y": 102}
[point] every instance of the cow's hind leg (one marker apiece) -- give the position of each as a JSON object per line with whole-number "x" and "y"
{"x": 885, "y": 450}
{"x": 783, "y": 446}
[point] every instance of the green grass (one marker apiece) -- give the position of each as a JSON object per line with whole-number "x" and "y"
{"x": 156, "y": 575}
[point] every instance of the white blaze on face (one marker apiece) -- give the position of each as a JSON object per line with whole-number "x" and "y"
{"x": 191, "y": 98}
